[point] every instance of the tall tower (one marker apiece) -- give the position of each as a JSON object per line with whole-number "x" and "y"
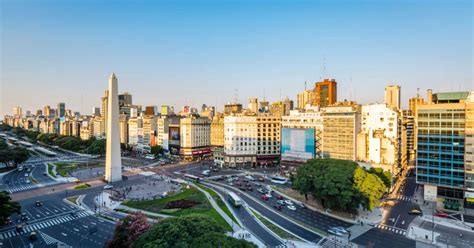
{"x": 113, "y": 163}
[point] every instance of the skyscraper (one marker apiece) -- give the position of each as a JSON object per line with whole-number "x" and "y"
{"x": 325, "y": 93}
{"x": 61, "y": 110}
{"x": 113, "y": 163}
{"x": 392, "y": 96}
{"x": 17, "y": 111}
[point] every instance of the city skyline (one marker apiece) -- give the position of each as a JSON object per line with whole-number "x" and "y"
{"x": 271, "y": 54}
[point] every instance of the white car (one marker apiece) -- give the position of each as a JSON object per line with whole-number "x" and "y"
{"x": 108, "y": 186}
{"x": 28, "y": 181}
{"x": 291, "y": 207}
{"x": 340, "y": 229}
{"x": 249, "y": 177}
{"x": 289, "y": 202}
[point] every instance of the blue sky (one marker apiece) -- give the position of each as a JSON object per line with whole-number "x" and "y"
{"x": 194, "y": 52}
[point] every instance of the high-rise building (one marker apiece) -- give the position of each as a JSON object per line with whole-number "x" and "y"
{"x": 253, "y": 105}
{"x": 240, "y": 140}
{"x": 96, "y": 111}
{"x": 135, "y": 124}
{"x": 392, "y": 96}
{"x": 47, "y": 111}
{"x": 151, "y": 110}
{"x": 125, "y": 99}
{"x": 123, "y": 126}
{"x": 441, "y": 146}
{"x": 17, "y": 112}
{"x": 268, "y": 139}
{"x": 61, "y": 110}
{"x": 469, "y": 153}
{"x": 378, "y": 141}
{"x": 217, "y": 139}
{"x": 195, "y": 135}
{"x": 341, "y": 124}
{"x": 325, "y": 93}
{"x": 149, "y": 128}
{"x": 103, "y": 111}
{"x": 303, "y": 99}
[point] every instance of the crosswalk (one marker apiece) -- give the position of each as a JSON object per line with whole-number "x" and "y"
{"x": 48, "y": 239}
{"x": 45, "y": 224}
{"x": 29, "y": 186}
{"x": 391, "y": 228}
{"x": 404, "y": 198}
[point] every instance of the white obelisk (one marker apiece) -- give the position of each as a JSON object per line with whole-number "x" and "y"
{"x": 113, "y": 163}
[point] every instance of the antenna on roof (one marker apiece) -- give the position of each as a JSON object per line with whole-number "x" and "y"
{"x": 417, "y": 92}
{"x": 305, "y": 85}
{"x": 236, "y": 95}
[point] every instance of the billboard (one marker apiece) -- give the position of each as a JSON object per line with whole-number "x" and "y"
{"x": 297, "y": 144}
{"x": 174, "y": 136}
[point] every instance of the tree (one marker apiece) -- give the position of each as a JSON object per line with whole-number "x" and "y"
{"x": 386, "y": 176}
{"x": 220, "y": 240}
{"x": 128, "y": 230}
{"x": 3, "y": 145}
{"x": 5, "y": 127}
{"x": 370, "y": 187}
{"x": 7, "y": 206}
{"x": 188, "y": 231}
{"x": 20, "y": 155}
{"x": 157, "y": 150}
{"x": 97, "y": 147}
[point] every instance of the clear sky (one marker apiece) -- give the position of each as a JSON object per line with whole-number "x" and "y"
{"x": 195, "y": 52}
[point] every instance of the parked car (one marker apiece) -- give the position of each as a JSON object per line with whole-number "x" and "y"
{"x": 291, "y": 207}
{"x": 441, "y": 214}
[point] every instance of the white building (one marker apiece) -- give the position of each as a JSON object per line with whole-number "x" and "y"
{"x": 240, "y": 140}
{"x": 378, "y": 141}
{"x": 134, "y": 127}
{"x": 195, "y": 135}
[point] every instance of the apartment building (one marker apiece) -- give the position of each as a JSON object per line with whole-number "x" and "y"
{"x": 240, "y": 140}
{"x": 195, "y": 135}
{"x": 268, "y": 139}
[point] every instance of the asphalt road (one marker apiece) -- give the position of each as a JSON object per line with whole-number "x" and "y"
{"x": 378, "y": 238}
{"x": 251, "y": 224}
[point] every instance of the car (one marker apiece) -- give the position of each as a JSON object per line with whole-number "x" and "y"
{"x": 261, "y": 179}
{"x": 108, "y": 186}
{"x": 288, "y": 202}
{"x": 277, "y": 207}
{"x": 264, "y": 197}
{"x": 230, "y": 183}
{"x": 291, "y": 207}
{"x": 441, "y": 214}
{"x": 19, "y": 228}
{"x": 249, "y": 177}
{"x": 238, "y": 183}
{"x": 33, "y": 236}
{"x": 335, "y": 232}
{"x": 340, "y": 229}
{"x": 249, "y": 188}
{"x": 242, "y": 188}
{"x": 279, "y": 197}
{"x": 206, "y": 173}
{"x": 215, "y": 169}
{"x": 28, "y": 169}
{"x": 24, "y": 216}
{"x": 8, "y": 220}
{"x": 38, "y": 204}
{"x": 281, "y": 202}
{"x": 26, "y": 174}
{"x": 268, "y": 195}
{"x": 415, "y": 211}
{"x": 27, "y": 181}
{"x": 261, "y": 190}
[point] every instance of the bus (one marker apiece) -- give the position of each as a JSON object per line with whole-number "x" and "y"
{"x": 279, "y": 180}
{"x": 234, "y": 199}
{"x": 192, "y": 177}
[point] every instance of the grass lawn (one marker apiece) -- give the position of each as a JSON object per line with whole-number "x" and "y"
{"x": 219, "y": 201}
{"x": 64, "y": 168}
{"x": 72, "y": 199}
{"x": 50, "y": 170}
{"x": 277, "y": 230}
{"x": 82, "y": 186}
{"x": 192, "y": 194}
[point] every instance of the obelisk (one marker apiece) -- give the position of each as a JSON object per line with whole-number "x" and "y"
{"x": 113, "y": 163}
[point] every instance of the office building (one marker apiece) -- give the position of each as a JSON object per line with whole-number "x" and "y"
{"x": 195, "y": 135}
{"x": 268, "y": 139}
{"x": 441, "y": 146}
{"x": 392, "y": 96}
{"x": 341, "y": 124}
{"x": 47, "y": 111}
{"x": 61, "y": 110}
{"x": 95, "y": 111}
{"x": 217, "y": 139}
{"x": 123, "y": 126}
{"x": 303, "y": 99}
{"x": 240, "y": 141}
{"x": 135, "y": 124}
{"x": 151, "y": 110}
{"x": 125, "y": 99}
{"x": 325, "y": 93}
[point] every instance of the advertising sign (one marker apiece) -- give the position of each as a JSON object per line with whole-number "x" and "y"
{"x": 174, "y": 136}
{"x": 297, "y": 144}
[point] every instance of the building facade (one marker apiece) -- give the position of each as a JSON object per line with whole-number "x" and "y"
{"x": 195, "y": 135}
{"x": 240, "y": 141}
{"x": 392, "y": 96}
{"x": 325, "y": 93}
